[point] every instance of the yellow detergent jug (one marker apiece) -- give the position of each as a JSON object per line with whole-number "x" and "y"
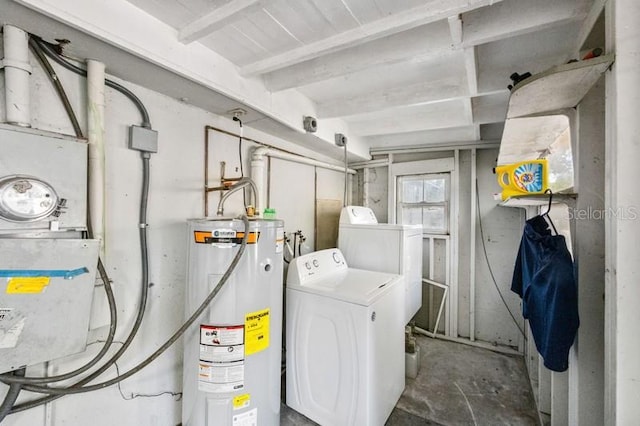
{"x": 525, "y": 177}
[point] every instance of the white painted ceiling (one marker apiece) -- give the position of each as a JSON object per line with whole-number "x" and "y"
{"x": 387, "y": 73}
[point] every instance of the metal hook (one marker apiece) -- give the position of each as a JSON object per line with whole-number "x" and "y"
{"x": 550, "y": 192}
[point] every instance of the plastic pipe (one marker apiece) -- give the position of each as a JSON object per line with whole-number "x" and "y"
{"x": 95, "y": 134}
{"x": 16, "y": 76}
{"x": 258, "y": 167}
{"x": 258, "y": 177}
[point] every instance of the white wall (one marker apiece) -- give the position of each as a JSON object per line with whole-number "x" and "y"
{"x": 175, "y": 195}
{"x": 622, "y": 231}
{"x": 502, "y": 232}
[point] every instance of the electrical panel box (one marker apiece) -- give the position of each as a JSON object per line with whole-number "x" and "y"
{"x": 46, "y": 291}
{"x": 43, "y": 181}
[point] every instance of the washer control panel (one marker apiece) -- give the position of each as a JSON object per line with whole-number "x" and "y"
{"x": 307, "y": 268}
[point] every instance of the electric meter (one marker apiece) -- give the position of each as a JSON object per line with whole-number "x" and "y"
{"x": 26, "y": 198}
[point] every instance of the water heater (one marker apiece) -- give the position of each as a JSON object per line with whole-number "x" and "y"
{"x": 232, "y": 357}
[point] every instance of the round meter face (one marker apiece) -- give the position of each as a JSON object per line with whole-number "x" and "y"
{"x": 26, "y": 199}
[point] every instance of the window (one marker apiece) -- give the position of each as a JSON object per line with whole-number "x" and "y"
{"x": 424, "y": 200}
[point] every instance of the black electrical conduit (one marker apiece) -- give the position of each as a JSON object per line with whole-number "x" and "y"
{"x": 168, "y": 343}
{"x": 12, "y": 395}
{"x": 101, "y": 269}
{"x": 49, "y": 49}
{"x": 39, "y": 53}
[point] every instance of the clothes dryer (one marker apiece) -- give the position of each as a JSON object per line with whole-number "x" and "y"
{"x": 383, "y": 247}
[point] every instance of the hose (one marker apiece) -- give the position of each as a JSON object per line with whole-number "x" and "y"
{"x": 168, "y": 343}
{"x": 12, "y": 395}
{"x": 51, "y": 52}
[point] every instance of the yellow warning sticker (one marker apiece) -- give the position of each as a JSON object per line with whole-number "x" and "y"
{"x": 241, "y": 401}
{"x": 27, "y": 285}
{"x": 256, "y": 331}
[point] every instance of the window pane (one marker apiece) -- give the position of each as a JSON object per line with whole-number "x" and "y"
{"x": 412, "y": 190}
{"x": 412, "y": 215}
{"x": 434, "y": 190}
{"x": 434, "y": 219}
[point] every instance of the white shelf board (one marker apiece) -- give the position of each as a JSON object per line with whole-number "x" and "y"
{"x": 560, "y": 87}
{"x": 539, "y": 200}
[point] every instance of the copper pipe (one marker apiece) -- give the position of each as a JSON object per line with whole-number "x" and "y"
{"x": 206, "y": 162}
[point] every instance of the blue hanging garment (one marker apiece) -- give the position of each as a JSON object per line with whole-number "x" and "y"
{"x": 544, "y": 278}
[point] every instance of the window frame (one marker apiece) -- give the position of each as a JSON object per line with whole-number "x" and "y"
{"x": 400, "y": 204}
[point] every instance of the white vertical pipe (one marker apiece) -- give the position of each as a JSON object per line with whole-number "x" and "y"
{"x": 95, "y": 130}
{"x": 16, "y": 76}
{"x": 258, "y": 177}
{"x": 472, "y": 250}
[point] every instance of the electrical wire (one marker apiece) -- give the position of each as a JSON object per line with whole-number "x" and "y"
{"x": 37, "y": 50}
{"x": 50, "y": 50}
{"x": 168, "y": 343}
{"x": 486, "y": 257}
{"x": 244, "y": 191}
{"x": 177, "y": 395}
{"x": 12, "y": 395}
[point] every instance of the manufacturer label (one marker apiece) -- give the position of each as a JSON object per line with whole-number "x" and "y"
{"x": 256, "y": 331}
{"x": 250, "y": 418}
{"x": 224, "y": 236}
{"x": 221, "y": 363}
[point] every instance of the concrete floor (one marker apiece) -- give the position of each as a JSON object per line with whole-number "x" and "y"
{"x": 458, "y": 385}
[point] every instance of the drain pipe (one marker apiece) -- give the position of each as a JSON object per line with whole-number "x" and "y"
{"x": 258, "y": 167}
{"x": 95, "y": 132}
{"x": 16, "y": 76}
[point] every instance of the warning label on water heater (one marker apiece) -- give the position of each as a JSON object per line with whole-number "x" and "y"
{"x": 257, "y": 331}
{"x": 221, "y": 364}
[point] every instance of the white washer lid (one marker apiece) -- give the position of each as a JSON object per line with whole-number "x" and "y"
{"x": 351, "y": 285}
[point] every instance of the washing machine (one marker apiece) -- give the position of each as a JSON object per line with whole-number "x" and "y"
{"x": 384, "y": 247}
{"x": 344, "y": 341}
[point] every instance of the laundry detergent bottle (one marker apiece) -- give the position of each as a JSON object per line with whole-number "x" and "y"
{"x": 523, "y": 178}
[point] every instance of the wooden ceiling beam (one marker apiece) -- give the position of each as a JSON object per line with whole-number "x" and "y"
{"x": 432, "y": 11}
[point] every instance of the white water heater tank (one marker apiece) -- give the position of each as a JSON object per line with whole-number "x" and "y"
{"x": 232, "y": 356}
